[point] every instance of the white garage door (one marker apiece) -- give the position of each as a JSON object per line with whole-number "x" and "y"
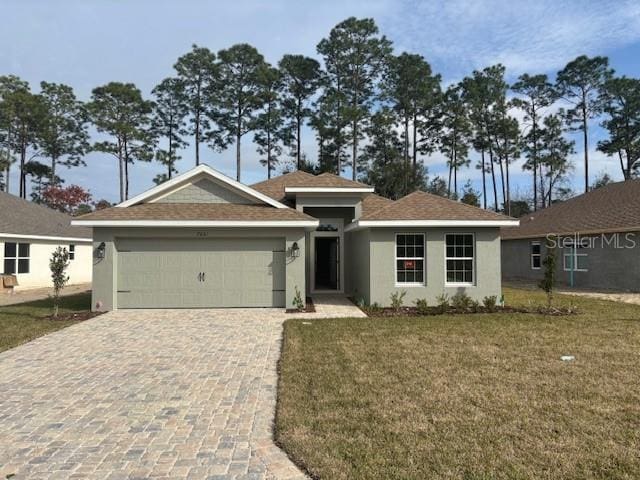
{"x": 200, "y": 273}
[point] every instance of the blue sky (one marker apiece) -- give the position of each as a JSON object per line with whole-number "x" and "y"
{"x": 88, "y": 43}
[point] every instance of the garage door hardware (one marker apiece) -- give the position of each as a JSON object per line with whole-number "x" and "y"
{"x": 124, "y": 291}
{"x": 201, "y": 277}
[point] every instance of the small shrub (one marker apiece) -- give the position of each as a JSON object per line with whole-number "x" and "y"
{"x": 443, "y": 302}
{"x": 397, "y": 299}
{"x": 360, "y": 303}
{"x": 490, "y": 303}
{"x": 373, "y": 309}
{"x": 422, "y": 307}
{"x": 461, "y": 301}
{"x": 548, "y": 283}
{"x": 474, "y": 306}
{"x": 298, "y": 303}
{"x": 58, "y": 264}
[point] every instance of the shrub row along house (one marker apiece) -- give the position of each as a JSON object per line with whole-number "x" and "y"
{"x": 29, "y": 233}
{"x": 205, "y": 240}
{"x": 597, "y": 236}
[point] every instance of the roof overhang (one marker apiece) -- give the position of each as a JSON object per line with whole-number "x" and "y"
{"x": 45, "y": 237}
{"x": 199, "y": 223}
{"x": 332, "y": 190}
{"x": 176, "y": 182}
{"x": 360, "y": 224}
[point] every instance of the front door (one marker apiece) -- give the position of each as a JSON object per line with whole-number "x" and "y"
{"x": 327, "y": 263}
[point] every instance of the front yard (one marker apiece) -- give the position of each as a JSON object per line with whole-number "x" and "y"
{"x": 471, "y": 397}
{"x": 23, "y": 322}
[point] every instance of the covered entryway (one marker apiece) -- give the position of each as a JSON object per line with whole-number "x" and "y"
{"x": 200, "y": 273}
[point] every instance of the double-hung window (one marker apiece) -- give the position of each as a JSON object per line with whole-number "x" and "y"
{"x": 536, "y": 255}
{"x": 459, "y": 258}
{"x": 410, "y": 259}
{"x": 16, "y": 257}
{"x": 72, "y": 252}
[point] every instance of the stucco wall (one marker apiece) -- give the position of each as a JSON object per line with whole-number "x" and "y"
{"x": 39, "y": 275}
{"x": 487, "y": 277}
{"x": 357, "y": 271}
{"x": 610, "y": 266}
{"x": 105, "y": 274}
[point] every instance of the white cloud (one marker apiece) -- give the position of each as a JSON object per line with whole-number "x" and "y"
{"x": 526, "y": 36}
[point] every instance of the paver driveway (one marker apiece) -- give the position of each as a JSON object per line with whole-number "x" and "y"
{"x": 139, "y": 394}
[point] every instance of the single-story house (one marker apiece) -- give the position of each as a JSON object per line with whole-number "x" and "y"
{"x": 29, "y": 233}
{"x": 597, "y": 235}
{"x": 205, "y": 240}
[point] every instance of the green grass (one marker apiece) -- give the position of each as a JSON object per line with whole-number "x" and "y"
{"x": 23, "y": 322}
{"x": 482, "y": 396}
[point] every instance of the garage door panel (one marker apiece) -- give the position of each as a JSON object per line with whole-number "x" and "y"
{"x": 164, "y": 273}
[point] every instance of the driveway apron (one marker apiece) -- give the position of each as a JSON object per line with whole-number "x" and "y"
{"x": 146, "y": 394}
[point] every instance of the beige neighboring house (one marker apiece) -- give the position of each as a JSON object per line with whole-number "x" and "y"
{"x": 205, "y": 240}
{"x": 29, "y": 233}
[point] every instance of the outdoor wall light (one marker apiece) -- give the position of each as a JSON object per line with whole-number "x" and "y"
{"x": 100, "y": 250}
{"x": 295, "y": 250}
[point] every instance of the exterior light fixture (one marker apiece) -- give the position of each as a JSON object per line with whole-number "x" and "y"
{"x": 100, "y": 250}
{"x": 295, "y": 250}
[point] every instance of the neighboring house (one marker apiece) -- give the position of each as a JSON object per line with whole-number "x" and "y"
{"x": 205, "y": 240}
{"x": 598, "y": 240}
{"x": 29, "y": 233}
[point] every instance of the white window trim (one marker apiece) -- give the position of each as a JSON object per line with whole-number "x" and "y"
{"x": 574, "y": 253}
{"x": 531, "y": 255}
{"x": 17, "y": 259}
{"x": 423, "y": 258}
{"x": 473, "y": 262}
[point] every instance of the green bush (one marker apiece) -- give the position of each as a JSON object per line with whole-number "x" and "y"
{"x": 461, "y": 301}
{"x": 422, "y": 307}
{"x": 490, "y": 303}
{"x": 397, "y": 299}
{"x": 298, "y": 303}
{"x": 475, "y": 306}
{"x": 443, "y": 302}
{"x": 373, "y": 309}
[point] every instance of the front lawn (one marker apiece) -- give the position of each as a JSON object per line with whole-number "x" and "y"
{"x": 23, "y": 322}
{"x": 473, "y": 397}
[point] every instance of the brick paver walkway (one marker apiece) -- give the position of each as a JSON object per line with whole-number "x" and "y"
{"x": 145, "y": 394}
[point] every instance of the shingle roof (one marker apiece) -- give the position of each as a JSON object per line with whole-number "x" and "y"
{"x": 197, "y": 211}
{"x": 372, "y": 203}
{"x": 274, "y": 187}
{"x": 21, "y": 217}
{"x": 425, "y": 206}
{"x": 612, "y": 208}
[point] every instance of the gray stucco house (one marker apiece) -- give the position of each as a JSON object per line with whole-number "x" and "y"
{"x": 597, "y": 236}
{"x": 205, "y": 240}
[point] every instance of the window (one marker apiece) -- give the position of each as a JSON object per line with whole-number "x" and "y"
{"x": 72, "y": 252}
{"x": 574, "y": 258}
{"x": 459, "y": 257}
{"x": 16, "y": 257}
{"x": 410, "y": 259}
{"x": 536, "y": 255}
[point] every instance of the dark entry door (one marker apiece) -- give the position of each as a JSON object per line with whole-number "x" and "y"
{"x": 327, "y": 263}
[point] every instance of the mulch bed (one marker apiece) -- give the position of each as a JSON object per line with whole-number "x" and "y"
{"x": 73, "y": 316}
{"x": 413, "y": 311}
{"x": 310, "y": 308}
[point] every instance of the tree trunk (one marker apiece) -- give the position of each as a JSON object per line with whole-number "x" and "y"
{"x": 484, "y": 181}
{"x": 508, "y": 187}
{"x": 449, "y": 183}
{"x": 354, "y": 151}
{"x": 298, "y": 129}
{"x": 23, "y": 176}
{"x": 121, "y": 170}
{"x": 414, "y": 145}
{"x": 406, "y": 154}
{"x": 535, "y": 164}
{"x": 493, "y": 178}
{"x": 542, "y": 189}
{"x": 126, "y": 169}
{"x": 269, "y": 149}
{"x": 586, "y": 147}
{"x": 197, "y": 122}
{"x": 54, "y": 160}
{"x": 7, "y": 173}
